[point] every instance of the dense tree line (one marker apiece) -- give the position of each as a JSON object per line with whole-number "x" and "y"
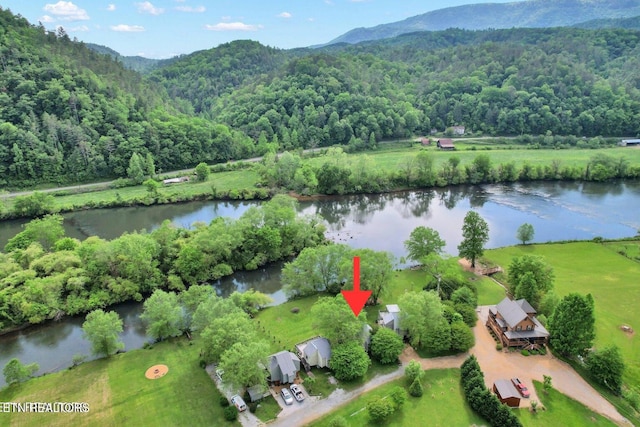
{"x": 44, "y": 274}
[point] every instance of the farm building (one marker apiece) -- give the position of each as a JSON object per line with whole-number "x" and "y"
{"x": 446, "y": 144}
{"x": 507, "y": 393}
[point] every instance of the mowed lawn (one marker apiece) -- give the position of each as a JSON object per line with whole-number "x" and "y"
{"x": 612, "y": 279}
{"x": 442, "y": 404}
{"x": 560, "y": 410}
{"x": 118, "y": 393}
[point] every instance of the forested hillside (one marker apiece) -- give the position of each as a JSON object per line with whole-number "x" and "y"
{"x": 68, "y": 114}
{"x": 521, "y": 81}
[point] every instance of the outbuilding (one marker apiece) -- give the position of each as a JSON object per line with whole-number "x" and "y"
{"x": 507, "y": 393}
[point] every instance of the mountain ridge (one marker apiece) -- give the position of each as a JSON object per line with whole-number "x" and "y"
{"x": 531, "y": 13}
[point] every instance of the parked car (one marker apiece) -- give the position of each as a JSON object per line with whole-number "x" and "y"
{"x": 297, "y": 392}
{"x": 521, "y": 387}
{"x": 286, "y": 396}
{"x": 239, "y": 402}
{"x": 219, "y": 374}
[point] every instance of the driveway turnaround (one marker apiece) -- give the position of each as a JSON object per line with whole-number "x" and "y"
{"x": 505, "y": 365}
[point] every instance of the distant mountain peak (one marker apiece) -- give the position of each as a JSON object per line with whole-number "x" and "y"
{"x": 480, "y": 16}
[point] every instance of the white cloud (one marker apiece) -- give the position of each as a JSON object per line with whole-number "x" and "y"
{"x": 46, "y": 18}
{"x": 147, "y": 7}
{"x": 198, "y": 9}
{"x": 311, "y": 19}
{"x": 226, "y": 18}
{"x": 232, "y": 26}
{"x": 79, "y": 29}
{"x": 111, "y": 7}
{"x": 285, "y": 15}
{"x": 127, "y": 28}
{"x": 66, "y": 11}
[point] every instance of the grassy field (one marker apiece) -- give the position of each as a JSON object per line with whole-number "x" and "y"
{"x": 560, "y": 410}
{"x": 268, "y": 409}
{"x": 611, "y": 278}
{"x": 389, "y": 157}
{"x": 441, "y": 405}
{"x": 119, "y": 394}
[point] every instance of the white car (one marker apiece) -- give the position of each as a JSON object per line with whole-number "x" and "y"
{"x": 297, "y": 392}
{"x": 286, "y": 396}
{"x": 239, "y": 403}
{"x": 219, "y": 374}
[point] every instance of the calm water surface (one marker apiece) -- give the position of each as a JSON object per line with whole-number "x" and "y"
{"x": 558, "y": 211}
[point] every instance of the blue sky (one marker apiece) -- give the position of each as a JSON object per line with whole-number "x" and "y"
{"x": 164, "y": 28}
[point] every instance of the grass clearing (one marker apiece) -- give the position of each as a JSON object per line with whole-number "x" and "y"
{"x": 489, "y": 292}
{"x": 118, "y": 393}
{"x": 268, "y": 409}
{"x": 441, "y": 405}
{"x": 560, "y": 410}
{"x": 611, "y": 278}
{"x": 322, "y": 386}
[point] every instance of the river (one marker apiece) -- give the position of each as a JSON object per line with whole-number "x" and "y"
{"x": 557, "y": 211}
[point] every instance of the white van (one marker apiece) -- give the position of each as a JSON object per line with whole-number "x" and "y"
{"x": 239, "y": 402}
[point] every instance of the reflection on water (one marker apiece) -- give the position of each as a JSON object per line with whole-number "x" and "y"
{"x": 557, "y": 210}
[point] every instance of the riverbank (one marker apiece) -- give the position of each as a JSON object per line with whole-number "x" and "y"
{"x": 395, "y": 161}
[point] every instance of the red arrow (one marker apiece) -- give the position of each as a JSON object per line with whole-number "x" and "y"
{"x": 356, "y": 298}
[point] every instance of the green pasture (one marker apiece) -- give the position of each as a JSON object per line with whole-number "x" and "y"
{"x": 118, "y": 393}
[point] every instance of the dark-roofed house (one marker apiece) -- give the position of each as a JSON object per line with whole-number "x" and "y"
{"x": 283, "y": 367}
{"x": 446, "y": 144}
{"x": 315, "y": 352}
{"x": 515, "y": 324}
{"x": 390, "y": 319}
{"x": 507, "y": 393}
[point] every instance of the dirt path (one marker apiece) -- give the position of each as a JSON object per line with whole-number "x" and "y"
{"x": 500, "y": 365}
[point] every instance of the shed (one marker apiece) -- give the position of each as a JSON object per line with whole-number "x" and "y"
{"x": 507, "y": 393}
{"x": 425, "y": 141}
{"x": 446, "y": 144}
{"x": 257, "y": 392}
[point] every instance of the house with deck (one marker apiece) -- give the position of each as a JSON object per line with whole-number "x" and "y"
{"x": 314, "y": 352}
{"x": 514, "y": 323}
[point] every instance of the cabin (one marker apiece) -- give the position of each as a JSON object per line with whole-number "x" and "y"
{"x": 507, "y": 393}
{"x": 445, "y": 144}
{"x": 458, "y": 130}
{"x": 390, "y": 319}
{"x": 514, "y": 323}
{"x": 283, "y": 368}
{"x": 315, "y": 352}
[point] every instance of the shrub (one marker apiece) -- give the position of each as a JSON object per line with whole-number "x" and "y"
{"x": 415, "y": 389}
{"x": 203, "y": 363}
{"x": 295, "y": 310}
{"x": 632, "y": 398}
{"x": 413, "y": 371}
{"x": 525, "y": 352}
{"x": 253, "y": 406}
{"x": 224, "y": 402}
{"x": 309, "y": 382}
{"x": 338, "y": 422}
{"x": 379, "y": 409}
{"x": 499, "y": 347}
{"x": 78, "y": 359}
{"x": 399, "y": 396}
{"x": 230, "y": 413}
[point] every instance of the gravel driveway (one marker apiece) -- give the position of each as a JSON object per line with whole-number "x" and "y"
{"x": 500, "y": 365}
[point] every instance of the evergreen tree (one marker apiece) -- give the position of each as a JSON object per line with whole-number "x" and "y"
{"x": 136, "y": 169}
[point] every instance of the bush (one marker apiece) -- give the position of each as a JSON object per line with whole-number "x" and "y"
{"x": 224, "y": 402}
{"x": 338, "y": 422}
{"x": 415, "y": 389}
{"x": 295, "y": 310}
{"x": 78, "y": 359}
{"x": 632, "y": 398}
{"x": 253, "y": 407}
{"x": 203, "y": 363}
{"x": 379, "y": 409}
{"x": 230, "y": 413}
{"x": 413, "y": 371}
{"x": 499, "y": 347}
{"x": 525, "y": 352}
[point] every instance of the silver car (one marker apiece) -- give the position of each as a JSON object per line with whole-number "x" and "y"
{"x": 286, "y": 396}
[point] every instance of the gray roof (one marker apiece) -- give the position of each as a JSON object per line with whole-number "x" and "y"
{"x": 506, "y": 389}
{"x": 318, "y": 345}
{"x": 387, "y": 318}
{"x": 393, "y": 308}
{"x": 285, "y": 362}
{"x": 256, "y": 392}
{"x": 538, "y": 332}
{"x": 524, "y": 304}
{"x": 511, "y": 312}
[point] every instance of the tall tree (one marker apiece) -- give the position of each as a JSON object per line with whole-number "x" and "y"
{"x": 423, "y": 241}
{"x": 315, "y": 270}
{"x": 243, "y": 364}
{"x": 420, "y": 312}
{"x": 103, "y": 331}
{"x": 136, "y": 169}
{"x": 386, "y": 346}
{"x": 349, "y": 361}
{"x": 525, "y": 233}
{"x": 572, "y": 325}
{"x": 162, "y": 315}
{"x": 16, "y": 372}
{"x": 607, "y": 367}
{"x": 225, "y": 331}
{"x": 376, "y": 270}
{"x": 475, "y": 234}
{"x": 531, "y": 278}
{"x": 334, "y": 320}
